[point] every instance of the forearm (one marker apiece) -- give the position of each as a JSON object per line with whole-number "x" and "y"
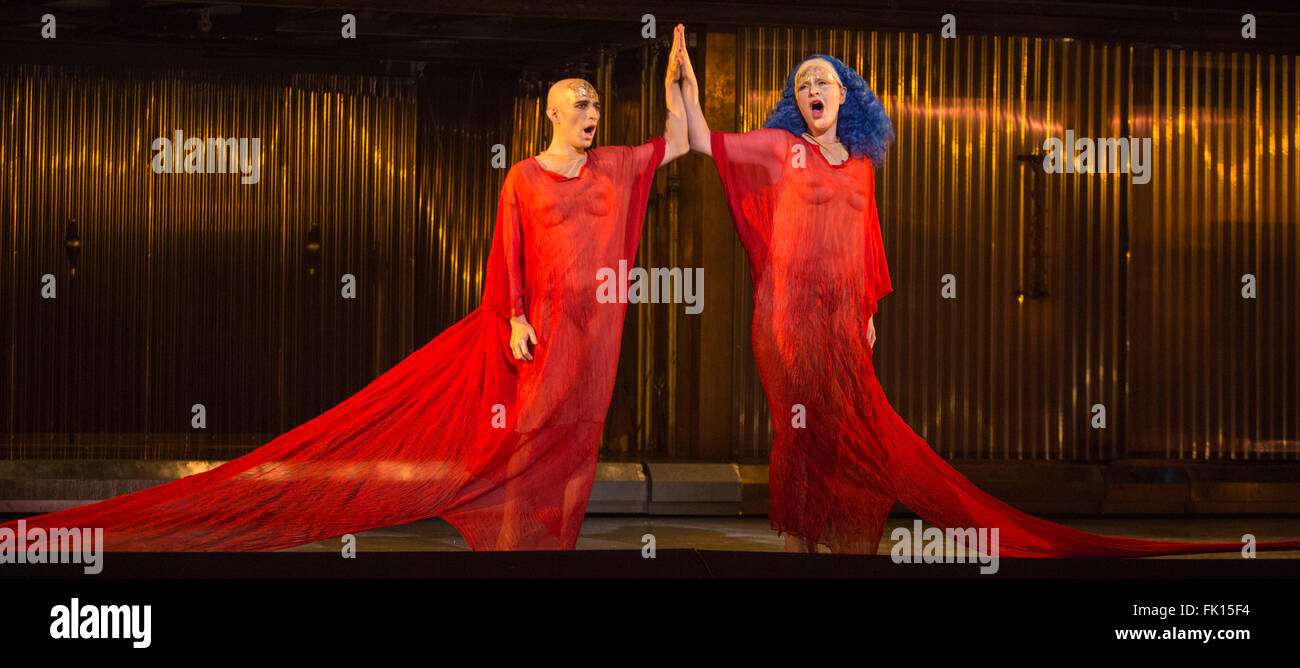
{"x": 697, "y": 127}
{"x": 676, "y": 141}
{"x": 510, "y": 225}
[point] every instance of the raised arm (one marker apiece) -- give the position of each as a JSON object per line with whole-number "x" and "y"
{"x": 696, "y": 127}
{"x": 676, "y": 142}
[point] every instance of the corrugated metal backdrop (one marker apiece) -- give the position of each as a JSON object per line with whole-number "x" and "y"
{"x": 191, "y": 288}
{"x": 1072, "y": 290}
{"x": 1216, "y": 375}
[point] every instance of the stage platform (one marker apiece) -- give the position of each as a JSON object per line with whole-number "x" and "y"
{"x": 753, "y": 534}
{"x": 690, "y": 547}
{"x": 1129, "y": 488}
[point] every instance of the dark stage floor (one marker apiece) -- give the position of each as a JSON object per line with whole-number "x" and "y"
{"x": 692, "y": 547}
{"x": 753, "y": 534}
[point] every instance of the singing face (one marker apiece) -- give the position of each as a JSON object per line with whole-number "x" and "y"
{"x": 574, "y": 109}
{"x": 819, "y": 94}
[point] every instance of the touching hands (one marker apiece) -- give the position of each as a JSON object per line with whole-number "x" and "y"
{"x": 680, "y": 63}
{"x": 697, "y": 128}
{"x": 674, "y": 58}
{"x": 677, "y": 141}
{"x": 521, "y": 333}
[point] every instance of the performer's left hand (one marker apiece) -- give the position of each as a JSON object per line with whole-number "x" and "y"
{"x": 674, "y": 56}
{"x": 871, "y": 332}
{"x": 520, "y": 334}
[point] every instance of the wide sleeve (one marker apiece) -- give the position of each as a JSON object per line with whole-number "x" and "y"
{"x": 646, "y": 157}
{"x": 640, "y": 163}
{"x": 503, "y": 290}
{"x": 877, "y": 269}
{"x": 514, "y": 246}
{"x": 750, "y": 165}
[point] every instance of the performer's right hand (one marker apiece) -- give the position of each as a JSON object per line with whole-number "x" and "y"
{"x": 520, "y": 334}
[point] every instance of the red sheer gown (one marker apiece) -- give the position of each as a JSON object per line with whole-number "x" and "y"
{"x": 503, "y": 450}
{"x": 841, "y": 455}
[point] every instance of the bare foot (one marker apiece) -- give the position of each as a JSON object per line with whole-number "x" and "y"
{"x": 798, "y": 544}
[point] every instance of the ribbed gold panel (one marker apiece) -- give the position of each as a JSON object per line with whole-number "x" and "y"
{"x": 1216, "y": 372}
{"x": 195, "y": 288}
{"x": 462, "y": 166}
{"x": 1032, "y": 348}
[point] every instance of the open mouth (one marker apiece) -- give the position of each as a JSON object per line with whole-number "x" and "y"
{"x": 589, "y": 131}
{"x": 817, "y": 108}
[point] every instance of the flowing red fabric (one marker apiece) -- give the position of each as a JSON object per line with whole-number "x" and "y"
{"x": 503, "y": 450}
{"x": 842, "y": 455}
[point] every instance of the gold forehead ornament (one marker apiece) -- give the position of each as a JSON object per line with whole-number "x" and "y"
{"x": 817, "y": 68}
{"x": 582, "y": 88}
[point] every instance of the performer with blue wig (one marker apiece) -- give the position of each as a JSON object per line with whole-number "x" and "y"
{"x": 802, "y": 196}
{"x": 860, "y": 123}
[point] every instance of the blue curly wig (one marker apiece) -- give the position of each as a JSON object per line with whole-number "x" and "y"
{"x": 863, "y": 127}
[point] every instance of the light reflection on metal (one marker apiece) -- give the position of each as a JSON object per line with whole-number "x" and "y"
{"x": 193, "y": 288}
{"x": 1216, "y": 375}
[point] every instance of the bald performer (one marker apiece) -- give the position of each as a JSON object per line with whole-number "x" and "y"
{"x": 563, "y": 216}
{"x": 573, "y": 107}
{"x": 492, "y": 425}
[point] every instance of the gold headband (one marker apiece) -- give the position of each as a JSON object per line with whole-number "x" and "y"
{"x": 808, "y": 72}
